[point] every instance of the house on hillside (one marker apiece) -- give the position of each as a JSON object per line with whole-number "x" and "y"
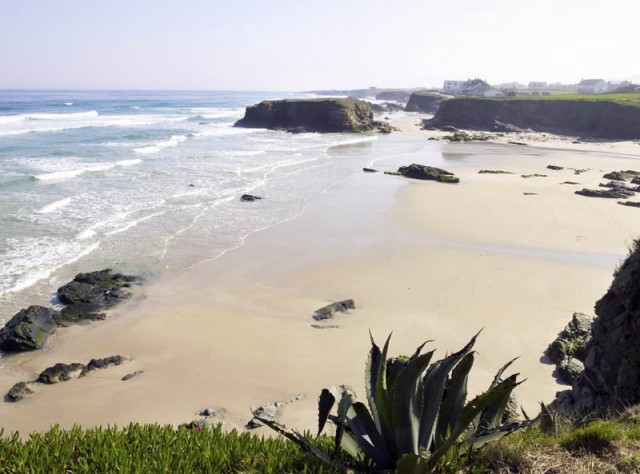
{"x": 470, "y": 87}
{"x": 592, "y": 86}
{"x": 537, "y": 85}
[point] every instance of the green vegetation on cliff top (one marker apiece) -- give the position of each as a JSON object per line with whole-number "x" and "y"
{"x": 624, "y": 99}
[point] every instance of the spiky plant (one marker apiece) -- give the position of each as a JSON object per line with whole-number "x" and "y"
{"x": 418, "y": 412}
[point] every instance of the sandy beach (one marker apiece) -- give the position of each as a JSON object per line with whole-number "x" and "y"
{"x": 425, "y": 260}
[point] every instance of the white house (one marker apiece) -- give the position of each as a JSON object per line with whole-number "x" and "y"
{"x": 454, "y": 86}
{"x": 592, "y": 86}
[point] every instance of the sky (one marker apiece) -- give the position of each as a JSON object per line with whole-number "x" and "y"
{"x": 295, "y": 45}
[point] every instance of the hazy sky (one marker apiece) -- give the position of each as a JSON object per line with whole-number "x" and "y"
{"x": 312, "y": 44}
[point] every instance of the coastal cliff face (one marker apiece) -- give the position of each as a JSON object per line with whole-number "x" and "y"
{"x": 588, "y": 118}
{"x": 424, "y": 102}
{"x": 611, "y": 376}
{"x": 310, "y": 115}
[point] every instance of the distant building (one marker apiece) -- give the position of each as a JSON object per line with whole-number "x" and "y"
{"x": 470, "y": 87}
{"x": 537, "y": 85}
{"x": 453, "y": 86}
{"x": 618, "y": 85}
{"x": 592, "y": 86}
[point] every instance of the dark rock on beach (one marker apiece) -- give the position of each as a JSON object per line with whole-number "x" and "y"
{"x": 569, "y": 369}
{"x": 132, "y": 375}
{"x": 572, "y": 340}
{"x": 630, "y": 203}
{"x": 610, "y": 193}
{"x": 310, "y": 115}
{"x": 78, "y": 314}
{"x": 555, "y": 167}
{"x": 102, "y": 288}
{"x": 249, "y": 198}
{"x": 60, "y": 373}
{"x": 95, "y": 364}
{"x": 18, "y": 392}
{"x": 417, "y": 171}
{"x": 369, "y": 170}
{"x": 328, "y": 311}
{"x": 622, "y": 175}
{"x": 28, "y": 329}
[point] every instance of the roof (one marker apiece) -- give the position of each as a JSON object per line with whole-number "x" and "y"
{"x": 590, "y": 82}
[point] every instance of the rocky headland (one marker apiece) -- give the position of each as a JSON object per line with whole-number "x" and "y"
{"x": 605, "y": 119}
{"x": 310, "y": 115}
{"x": 610, "y": 380}
{"x": 425, "y": 102}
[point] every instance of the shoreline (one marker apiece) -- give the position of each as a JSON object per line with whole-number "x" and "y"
{"x": 425, "y": 260}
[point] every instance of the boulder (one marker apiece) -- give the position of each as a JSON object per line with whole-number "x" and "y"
{"x": 28, "y": 329}
{"x": 132, "y": 375}
{"x": 327, "y": 312}
{"x": 102, "y": 289}
{"x": 60, "y": 373}
{"x": 610, "y": 193}
{"x": 630, "y": 203}
{"x": 310, "y": 115}
{"x": 611, "y": 377}
{"x": 249, "y": 198}
{"x": 569, "y": 369}
{"x": 572, "y": 340}
{"x": 369, "y": 170}
{"x": 19, "y": 391}
{"x": 78, "y": 314}
{"x": 620, "y": 175}
{"x": 555, "y": 167}
{"x": 417, "y": 171}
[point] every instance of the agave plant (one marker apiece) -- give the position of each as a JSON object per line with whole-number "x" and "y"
{"x": 417, "y": 412}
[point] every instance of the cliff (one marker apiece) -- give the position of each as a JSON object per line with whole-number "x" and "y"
{"x": 425, "y": 102}
{"x": 310, "y": 115}
{"x": 611, "y": 377}
{"x": 596, "y": 118}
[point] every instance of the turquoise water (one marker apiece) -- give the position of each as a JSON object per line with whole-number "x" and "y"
{"x": 148, "y": 182}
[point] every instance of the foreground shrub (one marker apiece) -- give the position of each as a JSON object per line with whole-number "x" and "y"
{"x": 417, "y": 418}
{"x": 151, "y": 449}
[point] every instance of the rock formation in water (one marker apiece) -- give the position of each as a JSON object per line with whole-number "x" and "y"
{"x": 310, "y": 115}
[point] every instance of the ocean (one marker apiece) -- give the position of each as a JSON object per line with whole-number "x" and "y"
{"x": 148, "y": 182}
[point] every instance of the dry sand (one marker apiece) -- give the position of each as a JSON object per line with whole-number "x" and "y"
{"x": 422, "y": 259}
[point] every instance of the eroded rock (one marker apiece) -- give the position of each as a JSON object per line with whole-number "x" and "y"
{"x": 327, "y": 312}
{"x": 60, "y": 373}
{"x": 416, "y": 171}
{"x": 28, "y": 329}
{"x": 19, "y": 391}
{"x": 102, "y": 288}
{"x": 609, "y": 193}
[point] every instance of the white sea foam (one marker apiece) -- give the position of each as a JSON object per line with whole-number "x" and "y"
{"x": 36, "y": 259}
{"x": 54, "y": 206}
{"x": 243, "y": 153}
{"x": 173, "y": 141}
{"x": 28, "y": 123}
{"x": 68, "y": 104}
{"x": 216, "y": 113}
{"x": 81, "y": 168}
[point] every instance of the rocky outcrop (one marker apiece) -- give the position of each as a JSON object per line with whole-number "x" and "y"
{"x": 610, "y": 193}
{"x": 327, "y": 312}
{"x": 29, "y": 329}
{"x": 310, "y": 115}
{"x": 611, "y": 377}
{"x": 588, "y": 118}
{"x": 85, "y": 296}
{"x": 416, "y": 171}
{"x": 101, "y": 289}
{"x": 568, "y": 351}
{"x": 397, "y": 96}
{"x": 61, "y": 372}
{"x": 249, "y": 198}
{"x": 424, "y": 102}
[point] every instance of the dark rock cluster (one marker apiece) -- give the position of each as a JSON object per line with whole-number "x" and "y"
{"x": 619, "y": 186}
{"x": 424, "y": 172}
{"x": 568, "y": 350}
{"x": 611, "y": 377}
{"x": 84, "y": 298}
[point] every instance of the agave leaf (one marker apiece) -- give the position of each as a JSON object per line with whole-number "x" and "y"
{"x": 343, "y": 409}
{"x": 326, "y": 401}
{"x": 351, "y": 445}
{"x": 454, "y": 398}
{"x": 382, "y": 403}
{"x": 406, "y": 404}
{"x": 298, "y": 438}
{"x": 371, "y": 379}
{"x": 495, "y": 434}
{"x": 434, "y": 385}
{"x": 492, "y": 416}
{"x": 419, "y": 349}
{"x": 471, "y": 410}
{"x": 365, "y": 432}
{"x": 498, "y": 377}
